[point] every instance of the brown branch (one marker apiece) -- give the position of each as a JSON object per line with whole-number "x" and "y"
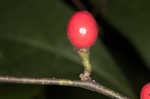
{"x": 90, "y": 85}
{"x": 78, "y": 4}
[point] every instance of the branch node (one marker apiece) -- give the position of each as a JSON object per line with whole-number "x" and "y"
{"x": 85, "y": 76}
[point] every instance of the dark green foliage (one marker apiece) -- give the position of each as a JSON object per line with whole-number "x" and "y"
{"x": 33, "y": 43}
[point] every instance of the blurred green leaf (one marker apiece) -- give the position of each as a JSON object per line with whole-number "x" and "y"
{"x": 34, "y": 44}
{"x": 12, "y": 91}
{"x": 131, "y": 17}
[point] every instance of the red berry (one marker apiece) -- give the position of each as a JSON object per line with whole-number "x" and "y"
{"x": 145, "y": 92}
{"x": 82, "y": 29}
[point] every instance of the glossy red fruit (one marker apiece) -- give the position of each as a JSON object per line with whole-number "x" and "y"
{"x": 145, "y": 92}
{"x": 82, "y": 29}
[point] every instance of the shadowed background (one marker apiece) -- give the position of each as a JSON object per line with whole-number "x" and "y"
{"x": 33, "y": 43}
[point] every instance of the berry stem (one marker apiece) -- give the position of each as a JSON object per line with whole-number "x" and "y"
{"x": 84, "y": 55}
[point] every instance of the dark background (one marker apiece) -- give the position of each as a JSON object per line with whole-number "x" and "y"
{"x": 33, "y": 43}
